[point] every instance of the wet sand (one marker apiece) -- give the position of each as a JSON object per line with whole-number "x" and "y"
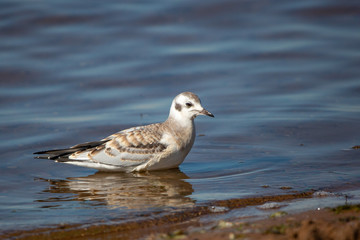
{"x": 188, "y": 224}
{"x": 342, "y": 222}
{"x": 338, "y": 223}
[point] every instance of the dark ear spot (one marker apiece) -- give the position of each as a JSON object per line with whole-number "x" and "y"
{"x": 178, "y": 107}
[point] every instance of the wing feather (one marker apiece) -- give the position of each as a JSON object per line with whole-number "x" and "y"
{"x": 126, "y": 148}
{"x": 64, "y": 153}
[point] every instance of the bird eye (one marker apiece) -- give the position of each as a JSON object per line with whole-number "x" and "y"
{"x": 188, "y": 104}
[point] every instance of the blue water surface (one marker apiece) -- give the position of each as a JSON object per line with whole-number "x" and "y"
{"x": 281, "y": 77}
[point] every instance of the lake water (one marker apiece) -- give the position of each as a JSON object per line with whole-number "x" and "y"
{"x": 281, "y": 77}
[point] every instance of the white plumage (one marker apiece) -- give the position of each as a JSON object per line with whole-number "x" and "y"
{"x": 152, "y": 147}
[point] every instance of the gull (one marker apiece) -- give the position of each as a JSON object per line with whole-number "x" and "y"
{"x": 151, "y": 147}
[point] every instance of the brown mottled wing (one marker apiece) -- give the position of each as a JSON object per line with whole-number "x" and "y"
{"x": 130, "y": 147}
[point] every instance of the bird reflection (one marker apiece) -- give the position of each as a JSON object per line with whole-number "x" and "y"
{"x": 130, "y": 190}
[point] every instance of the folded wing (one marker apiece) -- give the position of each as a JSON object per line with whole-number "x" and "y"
{"x": 130, "y": 147}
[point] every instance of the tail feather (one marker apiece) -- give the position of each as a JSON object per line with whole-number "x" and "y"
{"x": 63, "y": 154}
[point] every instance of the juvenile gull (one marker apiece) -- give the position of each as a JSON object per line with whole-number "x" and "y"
{"x": 152, "y": 147}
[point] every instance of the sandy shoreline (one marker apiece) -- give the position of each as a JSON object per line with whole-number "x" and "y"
{"x": 335, "y": 223}
{"x": 338, "y": 223}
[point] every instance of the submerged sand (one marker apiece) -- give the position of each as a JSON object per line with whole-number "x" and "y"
{"x": 330, "y": 223}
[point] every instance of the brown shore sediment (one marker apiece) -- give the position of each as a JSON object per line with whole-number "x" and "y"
{"x": 340, "y": 223}
{"x": 139, "y": 229}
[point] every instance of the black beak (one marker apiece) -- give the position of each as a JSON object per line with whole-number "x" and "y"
{"x": 207, "y": 113}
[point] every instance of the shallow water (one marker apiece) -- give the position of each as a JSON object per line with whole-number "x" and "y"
{"x": 282, "y": 79}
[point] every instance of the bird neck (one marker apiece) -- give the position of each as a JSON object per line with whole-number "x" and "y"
{"x": 183, "y": 131}
{"x": 180, "y": 123}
